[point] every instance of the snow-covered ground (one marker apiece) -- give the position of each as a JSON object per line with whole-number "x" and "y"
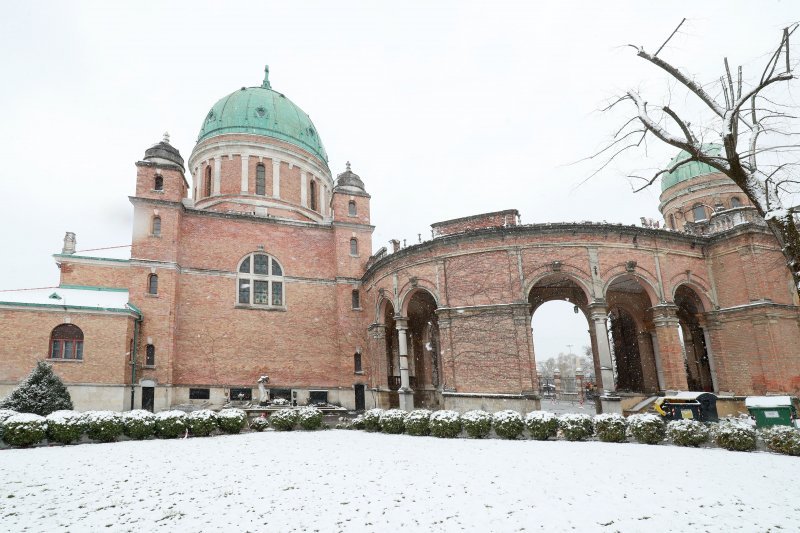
{"x": 354, "y": 481}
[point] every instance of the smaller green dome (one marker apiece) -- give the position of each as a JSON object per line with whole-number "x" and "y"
{"x": 689, "y": 170}
{"x": 262, "y": 111}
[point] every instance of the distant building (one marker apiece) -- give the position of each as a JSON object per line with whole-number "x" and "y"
{"x": 261, "y": 266}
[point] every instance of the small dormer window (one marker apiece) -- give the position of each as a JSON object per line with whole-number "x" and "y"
{"x": 699, "y": 212}
{"x": 351, "y": 208}
{"x": 158, "y": 184}
{"x": 735, "y": 202}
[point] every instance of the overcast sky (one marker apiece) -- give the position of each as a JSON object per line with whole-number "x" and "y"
{"x": 445, "y": 109}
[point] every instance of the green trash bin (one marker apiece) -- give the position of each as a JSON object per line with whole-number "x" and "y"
{"x": 771, "y": 410}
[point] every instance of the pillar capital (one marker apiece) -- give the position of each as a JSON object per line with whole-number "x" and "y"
{"x": 665, "y": 314}
{"x": 377, "y": 331}
{"x": 401, "y": 322}
{"x": 598, "y": 310}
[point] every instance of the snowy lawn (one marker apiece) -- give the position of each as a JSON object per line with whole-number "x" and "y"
{"x": 355, "y": 481}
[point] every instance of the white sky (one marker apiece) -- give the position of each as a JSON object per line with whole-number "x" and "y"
{"x": 445, "y": 109}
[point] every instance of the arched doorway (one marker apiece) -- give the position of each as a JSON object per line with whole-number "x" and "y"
{"x": 423, "y": 349}
{"x": 695, "y": 352}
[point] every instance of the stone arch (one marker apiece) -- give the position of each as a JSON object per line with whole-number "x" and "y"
{"x": 584, "y": 285}
{"x": 697, "y": 358}
{"x": 622, "y": 279}
{"x": 410, "y": 290}
{"x": 381, "y": 304}
{"x": 699, "y": 291}
{"x": 558, "y": 286}
{"x": 419, "y": 307}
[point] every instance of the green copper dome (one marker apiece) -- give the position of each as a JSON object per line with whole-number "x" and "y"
{"x": 262, "y": 111}
{"x": 689, "y": 170}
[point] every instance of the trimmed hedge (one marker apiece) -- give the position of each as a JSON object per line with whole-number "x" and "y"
{"x": 231, "y": 420}
{"x": 103, "y": 426}
{"x": 309, "y": 418}
{"x": 393, "y": 421}
{"x": 283, "y": 419}
{"x": 542, "y": 425}
{"x": 372, "y": 419}
{"x": 508, "y": 424}
{"x": 201, "y": 423}
{"x": 259, "y": 424}
{"x": 170, "y": 424}
{"x": 687, "y": 432}
{"x": 445, "y": 424}
{"x": 575, "y": 427}
{"x": 610, "y": 427}
{"x": 417, "y": 422}
{"x": 477, "y": 424}
{"x": 24, "y": 429}
{"x": 735, "y": 436}
{"x": 138, "y": 424}
{"x": 65, "y": 427}
{"x": 647, "y": 428}
{"x": 782, "y": 439}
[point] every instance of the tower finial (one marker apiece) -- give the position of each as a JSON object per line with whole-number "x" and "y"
{"x": 166, "y": 137}
{"x": 348, "y": 166}
{"x": 265, "y": 84}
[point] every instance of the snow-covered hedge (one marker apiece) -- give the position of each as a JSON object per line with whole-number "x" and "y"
{"x": 5, "y": 414}
{"x": 138, "y": 424}
{"x": 477, "y": 424}
{"x": 418, "y": 422}
{"x": 446, "y": 424}
{"x": 283, "y": 419}
{"x": 64, "y": 426}
{"x": 782, "y": 439}
{"x": 610, "y": 427}
{"x": 735, "y": 436}
{"x": 309, "y": 418}
{"x": 542, "y": 425}
{"x": 170, "y": 424}
{"x": 280, "y": 401}
{"x": 358, "y": 422}
{"x": 259, "y": 424}
{"x": 24, "y": 429}
{"x": 103, "y": 426}
{"x": 231, "y": 420}
{"x": 393, "y": 421}
{"x": 687, "y": 432}
{"x": 508, "y": 424}
{"x": 575, "y": 427}
{"x": 201, "y": 423}
{"x": 647, "y": 428}
{"x": 372, "y": 419}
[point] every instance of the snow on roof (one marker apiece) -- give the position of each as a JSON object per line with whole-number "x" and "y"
{"x": 767, "y": 401}
{"x": 69, "y": 296}
{"x": 685, "y": 395}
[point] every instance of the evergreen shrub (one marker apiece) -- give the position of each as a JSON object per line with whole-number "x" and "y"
{"x": 372, "y": 419}
{"x": 103, "y": 426}
{"x": 201, "y": 423}
{"x": 24, "y": 429}
{"x": 647, "y": 428}
{"x": 259, "y": 424}
{"x": 782, "y": 439}
{"x": 508, "y": 424}
{"x": 357, "y": 423}
{"x": 687, "y": 432}
{"x": 575, "y": 427}
{"x": 5, "y": 414}
{"x": 393, "y": 421}
{"x": 283, "y": 419}
{"x": 41, "y": 393}
{"x": 309, "y": 418}
{"x": 610, "y": 427}
{"x": 417, "y": 422}
{"x": 735, "y": 436}
{"x": 445, "y": 424}
{"x": 542, "y": 425}
{"x": 231, "y": 420}
{"x": 170, "y": 424}
{"x": 477, "y": 424}
{"x": 138, "y": 424}
{"x": 64, "y": 427}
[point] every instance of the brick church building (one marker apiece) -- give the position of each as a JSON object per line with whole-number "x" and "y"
{"x": 251, "y": 259}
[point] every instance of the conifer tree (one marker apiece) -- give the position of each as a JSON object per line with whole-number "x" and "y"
{"x": 41, "y": 393}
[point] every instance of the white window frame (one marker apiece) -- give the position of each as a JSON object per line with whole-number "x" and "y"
{"x": 270, "y": 278}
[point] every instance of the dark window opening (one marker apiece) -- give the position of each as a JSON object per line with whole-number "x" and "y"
{"x": 357, "y": 362}
{"x": 316, "y": 397}
{"x": 241, "y": 394}
{"x": 671, "y": 221}
{"x": 261, "y": 180}
{"x": 152, "y": 284}
{"x": 158, "y": 183}
{"x": 66, "y": 342}
{"x": 698, "y": 212}
{"x": 150, "y": 355}
{"x": 156, "y": 226}
{"x": 353, "y": 247}
{"x": 356, "y": 299}
{"x": 199, "y": 394}
{"x": 351, "y": 208}
{"x": 285, "y": 394}
{"x": 735, "y": 202}
{"x": 208, "y": 181}
{"x": 313, "y": 195}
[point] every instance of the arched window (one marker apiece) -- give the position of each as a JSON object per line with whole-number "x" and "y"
{"x": 735, "y": 202}
{"x": 150, "y": 355}
{"x": 152, "y": 284}
{"x": 156, "y": 226}
{"x": 671, "y": 220}
{"x": 356, "y": 299}
{"x": 698, "y": 212}
{"x": 353, "y": 246}
{"x": 261, "y": 180}
{"x": 313, "y": 201}
{"x": 260, "y": 281}
{"x": 158, "y": 184}
{"x": 66, "y": 342}
{"x": 357, "y": 362}
{"x": 208, "y": 182}
{"x": 351, "y": 208}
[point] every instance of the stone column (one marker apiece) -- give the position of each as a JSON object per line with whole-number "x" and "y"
{"x": 217, "y": 175}
{"x": 557, "y": 382}
{"x": 276, "y": 178}
{"x": 579, "y": 383}
{"x": 245, "y": 172}
{"x": 303, "y": 188}
{"x": 670, "y": 351}
{"x": 405, "y": 394}
{"x": 609, "y": 401}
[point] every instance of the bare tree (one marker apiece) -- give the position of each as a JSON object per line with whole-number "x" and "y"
{"x": 753, "y": 121}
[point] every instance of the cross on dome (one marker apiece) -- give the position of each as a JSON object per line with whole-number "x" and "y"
{"x": 166, "y": 137}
